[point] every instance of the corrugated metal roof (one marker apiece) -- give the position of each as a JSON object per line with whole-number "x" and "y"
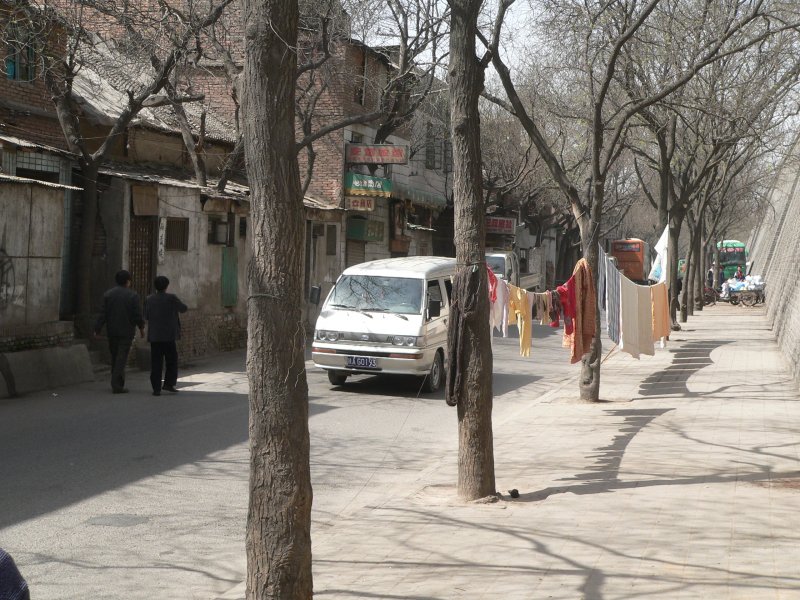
{"x": 25, "y": 180}
{"x": 182, "y": 179}
{"x": 28, "y": 145}
{"x": 174, "y": 178}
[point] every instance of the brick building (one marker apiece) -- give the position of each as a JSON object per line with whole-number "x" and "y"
{"x": 346, "y": 225}
{"x": 153, "y": 216}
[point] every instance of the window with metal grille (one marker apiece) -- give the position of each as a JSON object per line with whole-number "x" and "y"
{"x": 177, "y": 237}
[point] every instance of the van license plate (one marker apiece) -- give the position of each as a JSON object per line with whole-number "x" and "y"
{"x": 362, "y": 362}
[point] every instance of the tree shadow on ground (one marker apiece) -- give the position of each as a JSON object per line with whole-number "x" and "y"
{"x": 603, "y": 473}
{"x": 687, "y": 360}
{"x": 533, "y": 552}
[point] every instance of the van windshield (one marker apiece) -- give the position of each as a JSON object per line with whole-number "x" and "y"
{"x": 382, "y": 294}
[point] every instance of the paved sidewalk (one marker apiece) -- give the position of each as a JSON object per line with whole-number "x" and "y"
{"x": 683, "y": 483}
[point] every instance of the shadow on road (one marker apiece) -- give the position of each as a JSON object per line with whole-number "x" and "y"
{"x": 61, "y": 450}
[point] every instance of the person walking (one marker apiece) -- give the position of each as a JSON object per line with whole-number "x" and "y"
{"x": 163, "y": 329}
{"x": 121, "y": 314}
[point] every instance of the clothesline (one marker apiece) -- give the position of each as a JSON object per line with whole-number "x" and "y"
{"x": 574, "y": 302}
{"x": 636, "y": 315}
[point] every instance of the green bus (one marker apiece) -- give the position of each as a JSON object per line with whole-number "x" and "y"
{"x": 732, "y": 254}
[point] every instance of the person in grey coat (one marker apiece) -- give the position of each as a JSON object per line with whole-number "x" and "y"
{"x": 121, "y": 314}
{"x": 163, "y": 330}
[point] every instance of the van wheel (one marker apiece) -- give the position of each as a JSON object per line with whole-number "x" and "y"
{"x": 337, "y": 377}
{"x": 433, "y": 380}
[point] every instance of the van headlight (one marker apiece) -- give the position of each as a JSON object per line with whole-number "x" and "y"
{"x": 404, "y": 340}
{"x": 327, "y": 336}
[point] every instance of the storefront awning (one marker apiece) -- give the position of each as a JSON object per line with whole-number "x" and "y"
{"x": 401, "y": 191}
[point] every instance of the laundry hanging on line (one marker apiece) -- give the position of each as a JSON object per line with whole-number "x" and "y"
{"x": 510, "y": 305}
{"x": 636, "y": 315}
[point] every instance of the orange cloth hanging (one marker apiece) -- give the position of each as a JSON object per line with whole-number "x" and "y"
{"x": 582, "y": 285}
{"x": 658, "y": 295}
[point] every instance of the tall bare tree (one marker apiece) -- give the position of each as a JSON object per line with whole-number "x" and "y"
{"x": 703, "y": 138}
{"x": 285, "y": 50}
{"x": 278, "y": 538}
{"x": 469, "y": 382}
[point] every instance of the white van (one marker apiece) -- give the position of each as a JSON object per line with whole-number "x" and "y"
{"x": 505, "y": 264}
{"x": 387, "y": 316}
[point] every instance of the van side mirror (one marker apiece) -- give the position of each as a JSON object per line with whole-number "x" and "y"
{"x": 434, "y": 308}
{"x": 314, "y": 294}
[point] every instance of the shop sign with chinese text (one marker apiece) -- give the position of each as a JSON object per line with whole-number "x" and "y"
{"x": 376, "y": 154}
{"x": 356, "y": 184}
{"x": 500, "y": 225}
{"x": 359, "y": 203}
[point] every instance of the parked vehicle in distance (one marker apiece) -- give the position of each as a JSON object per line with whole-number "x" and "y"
{"x": 633, "y": 258}
{"x": 387, "y": 317}
{"x": 732, "y": 254}
{"x": 505, "y": 264}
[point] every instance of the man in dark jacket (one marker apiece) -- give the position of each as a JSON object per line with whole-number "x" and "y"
{"x": 163, "y": 329}
{"x": 121, "y": 314}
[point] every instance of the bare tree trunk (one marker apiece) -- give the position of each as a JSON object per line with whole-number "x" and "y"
{"x": 471, "y": 357}
{"x": 675, "y": 222}
{"x": 89, "y": 174}
{"x": 230, "y": 164}
{"x": 687, "y": 280}
{"x": 700, "y": 270}
{"x": 589, "y": 386}
{"x": 192, "y": 148}
{"x": 590, "y": 363}
{"x": 278, "y": 540}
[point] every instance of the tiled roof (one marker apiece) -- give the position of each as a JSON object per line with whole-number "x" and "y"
{"x": 102, "y": 84}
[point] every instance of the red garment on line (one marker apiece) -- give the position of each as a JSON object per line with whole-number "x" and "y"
{"x": 492, "y": 285}
{"x": 566, "y": 293}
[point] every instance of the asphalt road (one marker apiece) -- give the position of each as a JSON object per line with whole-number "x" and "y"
{"x": 132, "y": 496}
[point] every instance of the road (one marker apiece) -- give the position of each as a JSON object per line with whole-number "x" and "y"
{"x": 133, "y": 496}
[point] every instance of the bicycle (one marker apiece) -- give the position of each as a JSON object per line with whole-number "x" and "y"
{"x": 710, "y": 296}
